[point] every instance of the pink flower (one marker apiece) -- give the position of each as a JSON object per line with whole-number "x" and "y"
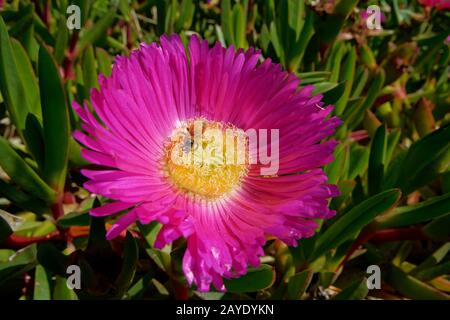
{"x": 439, "y": 4}
{"x": 148, "y": 109}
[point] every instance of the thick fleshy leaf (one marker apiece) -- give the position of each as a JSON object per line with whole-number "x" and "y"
{"x": 21, "y": 173}
{"x": 426, "y": 158}
{"x": 41, "y": 284}
{"x": 345, "y": 226}
{"x": 55, "y": 121}
{"x": 377, "y": 160}
{"x": 438, "y": 228}
{"x": 52, "y": 259}
{"x": 17, "y": 83}
{"x": 162, "y": 257}
{"x": 21, "y": 199}
{"x": 413, "y": 214}
{"x": 354, "y": 116}
{"x": 21, "y": 262}
{"x": 432, "y": 260}
{"x": 62, "y": 291}
{"x": 347, "y": 75}
{"x": 104, "y": 61}
{"x": 89, "y": 70}
{"x": 255, "y": 279}
{"x": 130, "y": 257}
{"x": 298, "y": 284}
{"x": 357, "y": 290}
{"x": 95, "y": 32}
{"x": 74, "y": 219}
{"x": 5, "y": 230}
{"x": 412, "y": 287}
{"x": 97, "y": 236}
{"x": 338, "y": 167}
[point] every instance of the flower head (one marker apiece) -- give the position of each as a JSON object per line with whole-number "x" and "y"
{"x": 219, "y": 148}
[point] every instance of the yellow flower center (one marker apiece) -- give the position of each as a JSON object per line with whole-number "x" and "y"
{"x": 206, "y": 158}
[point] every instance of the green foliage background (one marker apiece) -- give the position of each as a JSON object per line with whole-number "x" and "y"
{"x": 390, "y": 87}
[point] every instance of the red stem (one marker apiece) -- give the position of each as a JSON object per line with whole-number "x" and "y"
{"x": 129, "y": 36}
{"x": 57, "y": 210}
{"x": 70, "y": 57}
{"x": 18, "y": 242}
{"x": 411, "y": 233}
{"x": 180, "y": 291}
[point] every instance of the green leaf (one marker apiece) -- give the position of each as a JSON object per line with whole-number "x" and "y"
{"x": 22, "y": 261}
{"x": 5, "y": 230}
{"x": 433, "y": 272}
{"x": 413, "y": 288}
{"x": 417, "y": 213}
{"x": 313, "y": 77}
{"x": 334, "y": 62}
{"x": 104, "y": 61}
{"x": 354, "y": 116}
{"x": 392, "y": 143}
{"x": 226, "y": 21}
{"x": 162, "y": 258}
{"x": 62, "y": 38}
{"x": 130, "y": 258}
{"x": 21, "y": 199}
{"x": 359, "y": 159}
{"x": 97, "y": 236}
{"x": 438, "y": 228}
{"x": 240, "y": 25}
{"x": 324, "y": 87}
{"x": 187, "y": 10}
{"x": 357, "y": 290}
{"x": 21, "y": 173}
{"x": 330, "y": 26}
{"x": 298, "y": 284}
{"x": 74, "y": 219}
{"x": 377, "y": 160}
{"x": 62, "y": 291}
{"x": 255, "y": 279}
{"x": 28, "y": 76}
{"x": 351, "y": 223}
{"x": 55, "y": 121}
{"x": 360, "y": 83}
{"x": 432, "y": 260}
{"x": 33, "y": 133}
{"x": 307, "y": 32}
{"x": 367, "y": 57}
{"x": 425, "y": 159}
{"x": 95, "y": 32}
{"x": 17, "y": 82}
{"x": 337, "y": 168}
{"x": 347, "y": 75}
{"x": 125, "y": 9}
{"x": 41, "y": 284}
{"x": 89, "y": 70}
{"x": 52, "y": 259}
{"x": 332, "y": 96}
{"x": 275, "y": 40}
{"x": 42, "y": 30}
